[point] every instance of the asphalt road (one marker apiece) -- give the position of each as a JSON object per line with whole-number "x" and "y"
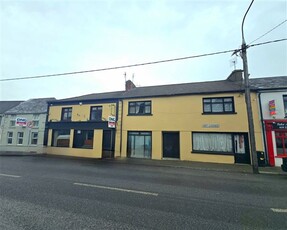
{"x": 55, "y": 193}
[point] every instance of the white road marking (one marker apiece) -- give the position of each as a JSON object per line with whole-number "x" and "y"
{"x": 117, "y": 189}
{"x": 15, "y": 176}
{"x": 279, "y": 210}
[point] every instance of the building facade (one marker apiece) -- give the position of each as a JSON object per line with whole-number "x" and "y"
{"x": 273, "y": 105}
{"x": 205, "y": 121}
{"x": 5, "y": 106}
{"x": 83, "y": 126}
{"x": 24, "y": 127}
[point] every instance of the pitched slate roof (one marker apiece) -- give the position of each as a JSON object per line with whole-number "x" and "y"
{"x": 94, "y": 96}
{"x": 184, "y": 89}
{"x": 269, "y": 83}
{"x": 6, "y": 105}
{"x": 209, "y": 87}
{"x": 38, "y": 105}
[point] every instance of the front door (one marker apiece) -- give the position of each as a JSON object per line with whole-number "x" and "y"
{"x": 108, "y": 144}
{"x": 171, "y": 145}
{"x": 241, "y": 150}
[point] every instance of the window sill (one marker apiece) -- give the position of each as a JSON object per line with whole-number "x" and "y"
{"x": 223, "y": 113}
{"x": 148, "y": 114}
{"x": 213, "y": 153}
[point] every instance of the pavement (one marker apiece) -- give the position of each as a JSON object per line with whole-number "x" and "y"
{"x": 205, "y": 166}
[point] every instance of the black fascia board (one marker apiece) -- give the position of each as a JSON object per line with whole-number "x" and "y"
{"x": 84, "y": 102}
{"x": 186, "y": 94}
{"x": 82, "y": 125}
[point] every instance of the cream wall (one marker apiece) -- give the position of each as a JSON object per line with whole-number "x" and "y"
{"x": 184, "y": 114}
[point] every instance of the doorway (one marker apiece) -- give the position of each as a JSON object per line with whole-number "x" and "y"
{"x": 241, "y": 149}
{"x": 170, "y": 145}
{"x": 108, "y": 144}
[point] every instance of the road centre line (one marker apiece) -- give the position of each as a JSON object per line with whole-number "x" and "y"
{"x": 279, "y": 210}
{"x": 117, "y": 189}
{"x": 8, "y": 175}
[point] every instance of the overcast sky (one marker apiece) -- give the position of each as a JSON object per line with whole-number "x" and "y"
{"x": 56, "y": 36}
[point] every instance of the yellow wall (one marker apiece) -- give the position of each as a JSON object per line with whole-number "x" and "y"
{"x": 184, "y": 114}
{"x": 81, "y": 112}
{"x": 96, "y": 152}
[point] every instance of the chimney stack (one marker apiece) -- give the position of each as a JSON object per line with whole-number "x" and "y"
{"x": 236, "y": 76}
{"x": 130, "y": 85}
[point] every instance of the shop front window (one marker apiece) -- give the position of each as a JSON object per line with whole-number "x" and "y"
{"x": 61, "y": 138}
{"x": 139, "y": 144}
{"x": 281, "y": 142}
{"x": 83, "y": 139}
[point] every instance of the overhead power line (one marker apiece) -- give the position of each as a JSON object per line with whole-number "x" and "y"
{"x": 117, "y": 67}
{"x": 136, "y": 65}
{"x": 269, "y": 31}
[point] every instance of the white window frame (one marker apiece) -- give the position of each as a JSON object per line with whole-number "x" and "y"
{"x": 34, "y": 138}
{"x": 20, "y": 138}
{"x": 9, "y": 137}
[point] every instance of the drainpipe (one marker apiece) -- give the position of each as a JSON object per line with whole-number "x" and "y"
{"x": 263, "y": 128}
{"x": 121, "y": 127}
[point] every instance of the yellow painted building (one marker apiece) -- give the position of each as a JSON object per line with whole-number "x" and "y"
{"x": 204, "y": 122}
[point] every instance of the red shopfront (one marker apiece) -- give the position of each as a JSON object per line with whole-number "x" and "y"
{"x": 276, "y": 140}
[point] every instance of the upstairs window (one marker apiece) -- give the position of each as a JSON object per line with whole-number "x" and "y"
{"x": 20, "y": 137}
{"x": 66, "y": 114}
{"x": 140, "y": 108}
{"x": 96, "y": 113}
{"x": 34, "y": 138}
{"x": 9, "y": 138}
{"x": 218, "y": 105}
{"x": 12, "y": 121}
{"x": 285, "y": 104}
{"x": 36, "y": 120}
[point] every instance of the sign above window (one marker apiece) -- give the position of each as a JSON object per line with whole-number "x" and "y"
{"x": 20, "y": 121}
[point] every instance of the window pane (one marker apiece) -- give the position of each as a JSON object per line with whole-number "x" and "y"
{"x": 61, "y": 138}
{"x": 216, "y": 100}
{"x": 83, "y": 139}
{"x": 212, "y": 142}
{"x": 207, "y": 108}
{"x": 217, "y": 108}
{"x": 228, "y": 107}
{"x": 139, "y": 144}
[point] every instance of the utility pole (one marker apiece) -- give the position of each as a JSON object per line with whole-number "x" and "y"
{"x": 248, "y": 100}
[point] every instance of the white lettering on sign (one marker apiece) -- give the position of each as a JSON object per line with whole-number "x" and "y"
{"x": 20, "y": 121}
{"x": 210, "y": 126}
{"x": 112, "y": 122}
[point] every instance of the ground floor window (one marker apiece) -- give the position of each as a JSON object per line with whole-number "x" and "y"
{"x": 9, "y": 138}
{"x": 34, "y": 138}
{"x": 20, "y": 137}
{"x": 61, "y": 138}
{"x": 281, "y": 142}
{"x": 139, "y": 144}
{"x": 83, "y": 139}
{"x": 212, "y": 142}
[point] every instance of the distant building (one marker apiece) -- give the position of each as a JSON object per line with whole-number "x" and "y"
{"x": 23, "y": 126}
{"x": 4, "y": 106}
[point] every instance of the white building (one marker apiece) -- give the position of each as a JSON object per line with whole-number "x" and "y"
{"x": 273, "y": 107}
{"x": 23, "y": 127}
